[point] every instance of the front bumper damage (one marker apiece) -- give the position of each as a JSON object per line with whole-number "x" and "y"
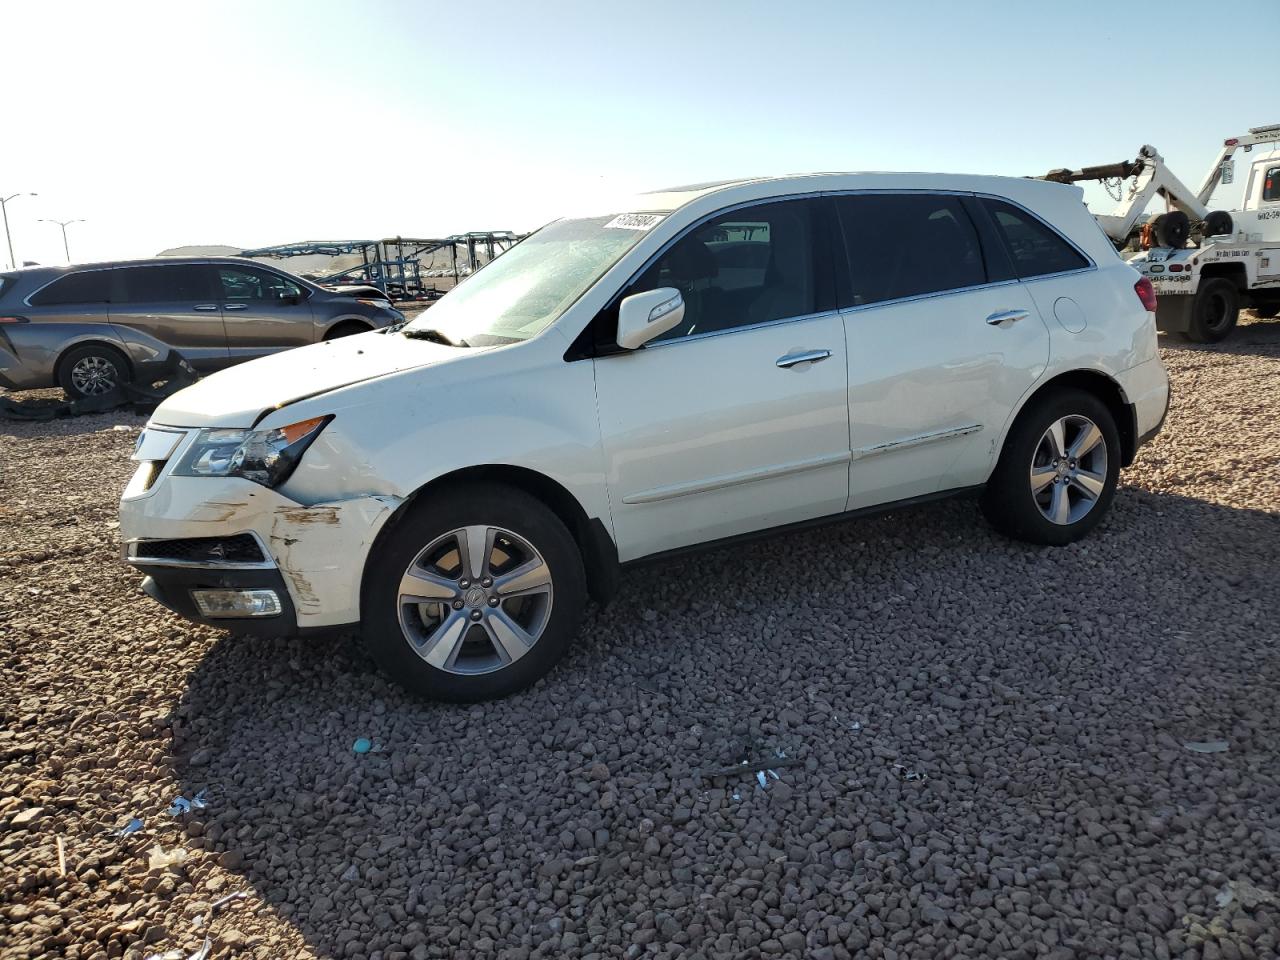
{"x": 312, "y": 555}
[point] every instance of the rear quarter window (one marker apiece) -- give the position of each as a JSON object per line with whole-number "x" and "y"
{"x": 1036, "y": 249}
{"x": 91, "y": 286}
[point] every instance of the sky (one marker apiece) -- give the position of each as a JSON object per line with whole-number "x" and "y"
{"x": 271, "y": 121}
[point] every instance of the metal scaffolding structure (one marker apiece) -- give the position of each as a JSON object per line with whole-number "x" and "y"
{"x": 402, "y": 267}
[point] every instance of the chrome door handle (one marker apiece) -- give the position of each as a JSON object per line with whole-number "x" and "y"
{"x": 804, "y": 356}
{"x": 234, "y": 306}
{"x": 205, "y": 306}
{"x": 1013, "y": 316}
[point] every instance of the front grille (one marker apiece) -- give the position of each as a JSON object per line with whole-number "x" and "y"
{"x": 242, "y": 548}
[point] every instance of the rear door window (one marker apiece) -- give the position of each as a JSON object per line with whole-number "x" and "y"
{"x": 90, "y": 286}
{"x": 908, "y": 245}
{"x": 1036, "y": 249}
{"x": 181, "y": 282}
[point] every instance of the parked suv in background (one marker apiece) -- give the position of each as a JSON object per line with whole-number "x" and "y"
{"x": 85, "y": 328}
{"x": 702, "y": 364}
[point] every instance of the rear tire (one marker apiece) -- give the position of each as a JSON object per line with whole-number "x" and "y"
{"x": 1057, "y": 473}
{"x": 1172, "y": 229}
{"x": 92, "y": 369}
{"x": 1214, "y": 311}
{"x": 476, "y": 594}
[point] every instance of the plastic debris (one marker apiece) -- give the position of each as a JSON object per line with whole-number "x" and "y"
{"x": 62, "y": 857}
{"x": 182, "y": 805}
{"x": 218, "y": 905}
{"x": 133, "y": 826}
{"x": 1246, "y": 893}
{"x": 760, "y": 779}
{"x": 1206, "y": 746}
{"x": 161, "y": 858}
{"x": 362, "y": 745}
{"x": 202, "y": 953}
{"x": 907, "y": 775}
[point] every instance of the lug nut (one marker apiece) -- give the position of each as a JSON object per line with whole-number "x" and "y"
{"x": 486, "y": 582}
{"x": 457, "y": 604}
{"x": 475, "y": 614}
{"x": 464, "y": 583}
{"x": 493, "y": 601}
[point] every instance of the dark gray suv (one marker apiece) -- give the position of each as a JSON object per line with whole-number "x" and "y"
{"x": 86, "y": 328}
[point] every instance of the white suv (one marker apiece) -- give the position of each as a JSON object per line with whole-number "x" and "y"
{"x": 690, "y": 366}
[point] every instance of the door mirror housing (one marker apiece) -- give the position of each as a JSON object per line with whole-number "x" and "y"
{"x": 643, "y": 316}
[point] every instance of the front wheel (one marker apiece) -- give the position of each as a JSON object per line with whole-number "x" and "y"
{"x": 1057, "y": 474}
{"x": 91, "y": 370}
{"x": 476, "y": 594}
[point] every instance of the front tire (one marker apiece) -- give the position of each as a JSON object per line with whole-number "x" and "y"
{"x": 91, "y": 370}
{"x": 1214, "y": 311}
{"x": 476, "y": 594}
{"x": 1057, "y": 473}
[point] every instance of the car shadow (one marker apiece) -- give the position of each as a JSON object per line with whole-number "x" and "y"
{"x": 1251, "y": 337}
{"x": 698, "y": 662}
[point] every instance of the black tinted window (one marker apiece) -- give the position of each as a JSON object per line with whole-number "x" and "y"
{"x": 749, "y": 266}
{"x": 905, "y": 245}
{"x": 246, "y": 283}
{"x": 168, "y": 284}
{"x": 1271, "y": 186}
{"x": 93, "y": 286}
{"x": 1035, "y": 248}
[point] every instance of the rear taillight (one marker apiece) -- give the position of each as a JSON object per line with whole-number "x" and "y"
{"x": 13, "y": 319}
{"x": 1146, "y": 293}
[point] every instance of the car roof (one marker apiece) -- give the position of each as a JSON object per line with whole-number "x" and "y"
{"x": 744, "y": 189}
{"x": 52, "y": 268}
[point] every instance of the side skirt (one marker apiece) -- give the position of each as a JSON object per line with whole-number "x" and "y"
{"x": 954, "y": 493}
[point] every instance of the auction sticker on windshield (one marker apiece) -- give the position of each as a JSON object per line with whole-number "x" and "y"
{"x": 634, "y": 221}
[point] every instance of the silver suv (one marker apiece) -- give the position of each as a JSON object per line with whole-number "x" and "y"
{"x": 88, "y": 328}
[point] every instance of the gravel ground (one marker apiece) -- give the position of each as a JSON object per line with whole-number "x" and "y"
{"x": 978, "y": 745}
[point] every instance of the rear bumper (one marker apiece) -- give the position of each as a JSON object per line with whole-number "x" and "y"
{"x": 1146, "y": 387}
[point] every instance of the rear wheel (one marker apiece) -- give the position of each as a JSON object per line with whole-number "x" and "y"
{"x": 91, "y": 370}
{"x": 474, "y": 595}
{"x": 1057, "y": 474}
{"x": 1214, "y": 311}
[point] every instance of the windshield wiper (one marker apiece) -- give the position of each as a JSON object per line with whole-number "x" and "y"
{"x": 435, "y": 336}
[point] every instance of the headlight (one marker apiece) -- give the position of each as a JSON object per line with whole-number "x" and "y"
{"x": 263, "y": 456}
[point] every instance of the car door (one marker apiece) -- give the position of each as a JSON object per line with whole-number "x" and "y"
{"x": 264, "y": 311}
{"x": 942, "y": 344}
{"x": 736, "y": 420}
{"x": 173, "y": 303}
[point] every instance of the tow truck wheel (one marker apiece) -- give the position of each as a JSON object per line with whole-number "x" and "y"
{"x": 1172, "y": 229}
{"x": 1218, "y": 224}
{"x": 1214, "y": 311}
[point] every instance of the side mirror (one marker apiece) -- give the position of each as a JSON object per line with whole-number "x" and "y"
{"x": 643, "y": 316}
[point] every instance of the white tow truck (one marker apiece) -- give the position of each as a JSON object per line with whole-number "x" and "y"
{"x": 1205, "y": 265}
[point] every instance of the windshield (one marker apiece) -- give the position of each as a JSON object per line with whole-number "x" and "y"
{"x": 521, "y": 292}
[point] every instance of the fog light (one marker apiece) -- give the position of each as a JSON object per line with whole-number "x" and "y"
{"x": 219, "y": 604}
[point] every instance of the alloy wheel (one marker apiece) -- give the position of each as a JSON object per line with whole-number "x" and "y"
{"x": 475, "y": 600}
{"x": 1069, "y": 469}
{"x": 93, "y": 376}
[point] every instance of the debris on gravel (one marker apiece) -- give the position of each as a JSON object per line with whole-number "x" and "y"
{"x": 988, "y": 743}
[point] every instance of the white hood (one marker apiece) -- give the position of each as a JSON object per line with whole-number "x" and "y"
{"x": 237, "y": 396}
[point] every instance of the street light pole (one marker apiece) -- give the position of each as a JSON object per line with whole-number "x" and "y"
{"x": 4, "y": 211}
{"x": 64, "y": 224}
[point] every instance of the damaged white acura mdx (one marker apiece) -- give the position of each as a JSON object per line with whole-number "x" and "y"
{"x": 688, "y": 367}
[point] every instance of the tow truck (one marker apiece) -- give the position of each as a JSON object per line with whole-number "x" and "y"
{"x": 1204, "y": 264}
